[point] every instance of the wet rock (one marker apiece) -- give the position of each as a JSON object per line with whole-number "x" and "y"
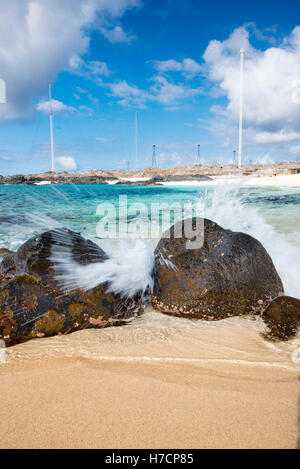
{"x": 282, "y": 317}
{"x": 32, "y": 303}
{"x": 230, "y": 274}
{"x": 7, "y": 265}
{"x": 33, "y": 257}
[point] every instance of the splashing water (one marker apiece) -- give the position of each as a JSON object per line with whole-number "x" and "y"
{"x": 227, "y": 207}
{"x": 128, "y": 267}
{"x": 127, "y": 270}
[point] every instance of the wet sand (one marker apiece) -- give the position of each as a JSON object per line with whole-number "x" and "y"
{"x": 160, "y": 382}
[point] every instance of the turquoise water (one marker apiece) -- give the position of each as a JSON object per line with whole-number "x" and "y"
{"x": 272, "y": 215}
{"x": 75, "y": 206}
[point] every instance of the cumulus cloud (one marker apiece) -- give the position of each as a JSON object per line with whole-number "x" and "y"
{"x": 128, "y": 95}
{"x": 93, "y": 70}
{"x": 117, "y": 35}
{"x": 67, "y": 162}
{"x": 271, "y": 91}
{"x": 276, "y": 137}
{"x": 271, "y": 79}
{"x": 57, "y": 107}
{"x": 38, "y": 39}
{"x": 188, "y": 67}
{"x": 162, "y": 90}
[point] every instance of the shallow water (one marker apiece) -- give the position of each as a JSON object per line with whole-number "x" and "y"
{"x": 159, "y": 338}
{"x": 270, "y": 215}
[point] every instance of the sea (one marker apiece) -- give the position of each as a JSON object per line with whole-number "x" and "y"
{"x": 127, "y": 222}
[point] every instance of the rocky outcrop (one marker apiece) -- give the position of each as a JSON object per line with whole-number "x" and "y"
{"x": 32, "y": 303}
{"x": 230, "y": 274}
{"x": 181, "y": 177}
{"x": 282, "y": 317}
{"x": 60, "y": 179}
{"x": 158, "y": 180}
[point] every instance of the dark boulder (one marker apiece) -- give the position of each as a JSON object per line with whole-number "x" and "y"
{"x": 33, "y": 304}
{"x": 282, "y": 317}
{"x": 230, "y": 274}
{"x": 7, "y": 265}
{"x": 33, "y": 257}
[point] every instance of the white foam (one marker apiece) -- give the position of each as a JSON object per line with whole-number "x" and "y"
{"x": 225, "y": 206}
{"x": 127, "y": 270}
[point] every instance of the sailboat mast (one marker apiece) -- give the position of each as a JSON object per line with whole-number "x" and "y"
{"x": 51, "y": 128}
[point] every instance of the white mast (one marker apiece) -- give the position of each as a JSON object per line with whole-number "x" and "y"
{"x": 242, "y": 52}
{"x": 51, "y": 128}
{"x": 136, "y": 142}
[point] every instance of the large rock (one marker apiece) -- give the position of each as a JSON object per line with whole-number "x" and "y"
{"x": 32, "y": 303}
{"x": 231, "y": 274}
{"x": 282, "y": 317}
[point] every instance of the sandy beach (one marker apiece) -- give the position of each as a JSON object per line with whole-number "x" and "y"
{"x": 292, "y": 180}
{"x": 161, "y": 382}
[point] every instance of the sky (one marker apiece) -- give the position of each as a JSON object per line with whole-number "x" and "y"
{"x": 173, "y": 63}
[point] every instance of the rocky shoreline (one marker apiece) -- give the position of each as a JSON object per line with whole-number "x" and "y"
{"x": 152, "y": 176}
{"x": 97, "y": 180}
{"x": 231, "y": 274}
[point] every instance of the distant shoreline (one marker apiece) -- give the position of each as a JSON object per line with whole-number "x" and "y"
{"x": 285, "y": 174}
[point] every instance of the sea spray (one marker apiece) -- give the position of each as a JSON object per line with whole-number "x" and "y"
{"x": 127, "y": 270}
{"x": 227, "y": 206}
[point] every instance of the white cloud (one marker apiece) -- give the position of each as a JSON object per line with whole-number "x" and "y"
{"x": 38, "y": 39}
{"x": 163, "y": 91}
{"x": 270, "y": 81}
{"x": 67, "y": 162}
{"x": 271, "y": 93}
{"x": 188, "y": 67}
{"x": 276, "y": 137}
{"x": 167, "y": 65}
{"x": 130, "y": 95}
{"x": 91, "y": 70}
{"x": 117, "y": 35}
{"x": 57, "y": 107}
{"x": 170, "y": 94}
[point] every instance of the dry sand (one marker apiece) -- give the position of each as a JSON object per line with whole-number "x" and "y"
{"x": 158, "y": 383}
{"x": 292, "y": 180}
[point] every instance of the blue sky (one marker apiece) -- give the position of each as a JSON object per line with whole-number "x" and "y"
{"x": 175, "y": 63}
